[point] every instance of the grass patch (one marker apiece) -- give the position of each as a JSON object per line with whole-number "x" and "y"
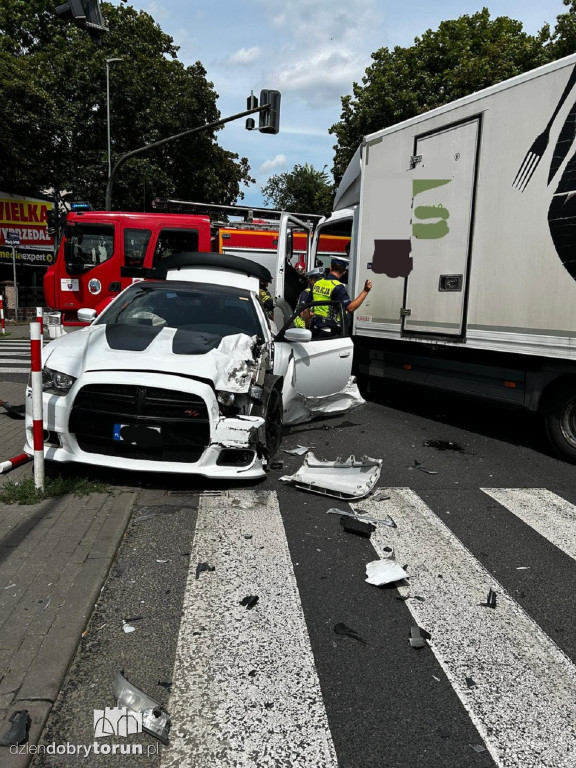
{"x": 24, "y": 491}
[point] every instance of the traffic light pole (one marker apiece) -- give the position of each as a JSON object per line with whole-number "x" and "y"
{"x": 206, "y": 127}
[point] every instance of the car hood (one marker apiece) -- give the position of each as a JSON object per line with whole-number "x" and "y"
{"x": 229, "y": 363}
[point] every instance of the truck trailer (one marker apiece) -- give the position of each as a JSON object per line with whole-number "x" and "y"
{"x": 464, "y": 218}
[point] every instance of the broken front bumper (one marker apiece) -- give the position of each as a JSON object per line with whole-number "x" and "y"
{"x": 151, "y": 422}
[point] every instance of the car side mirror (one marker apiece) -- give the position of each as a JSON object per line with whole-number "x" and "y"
{"x": 301, "y": 335}
{"x": 86, "y": 315}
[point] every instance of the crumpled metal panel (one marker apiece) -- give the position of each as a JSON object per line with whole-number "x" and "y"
{"x": 302, "y": 409}
{"x": 349, "y": 478}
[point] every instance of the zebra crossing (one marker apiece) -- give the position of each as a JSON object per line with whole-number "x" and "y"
{"x": 14, "y": 356}
{"x": 247, "y": 690}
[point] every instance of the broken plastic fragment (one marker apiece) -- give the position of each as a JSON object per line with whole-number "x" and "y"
{"x": 18, "y": 731}
{"x": 419, "y": 466}
{"x": 344, "y": 479}
{"x": 357, "y": 526}
{"x": 490, "y": 600}
{"x": 300, "y": 450}
{"x": 384, "y": 572}
{"x": 470, "y": 682}
{"x": 380, "y": 497}
{"x": 127, "y": 627}
{"x": 162, "y": 561}
{"x": 418, "y": 636}
{"x": 277, "y": 465}
{"x": 165, "y": 684}
{"x": 155, "y": 720}
{"x": 249, "y": 601}
{"x": 342, "y": 629}
{"x": 478, "y": 747}
{"x": 201, "y": 567}
{"x": 387, "y": 520}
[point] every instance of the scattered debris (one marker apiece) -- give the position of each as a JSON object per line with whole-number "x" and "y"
{"x": 10, "y": 586}
{"x": 436, "y": 678}
{"x": 155, "y": 720}
{"x": 300, "y": 450}
{"x": 201, "y": 567}
{"x": 387, "y": 520}
{"x": 359, "y": 527}
{"x": 252, "y": 673}
{"x": 443, "y": 445}
{"x": 14, "y": 411}
{"x": 410, "y": 597}
{"x": 419, "y": 466}
{"x": 165, "y": 684}
{"x": 490, "y": 600}
{"x": 277, "y": 465}
{"x": 342, "y": 629}
{"x": 418, "y": 636}
{"x": 17, "y": 733}
{"x": 470, "y": 682}
{"x": 478, "y": 748}
{"x": 127, "y": 627}
{"x": 344, "y": 479}
{"x": 247, "y": 535}
{"x": 45, "y": 603}
{"x": 134, "y": 618}
{"x": 520, "y": 568}
{"x": 381, "y": 496}
{"x": 381, "y": 572}
{"x": 162, "y": 561}
{"x": 249, "y": 601}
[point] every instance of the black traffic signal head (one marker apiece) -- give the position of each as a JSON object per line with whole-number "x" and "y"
{"x": 270, "y": 118}
{"x": 51, "y": 221}
{"x": 86, "y": 14}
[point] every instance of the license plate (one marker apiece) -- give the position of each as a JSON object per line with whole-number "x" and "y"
{"x": 137, "y": 434}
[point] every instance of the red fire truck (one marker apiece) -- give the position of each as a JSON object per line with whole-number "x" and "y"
{"x": 102, "y": 252}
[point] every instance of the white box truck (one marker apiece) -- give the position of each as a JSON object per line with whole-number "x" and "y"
{"x": 464, "y": 218}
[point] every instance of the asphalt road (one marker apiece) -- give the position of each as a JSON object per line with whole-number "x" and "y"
{"x": 241, "y": 683}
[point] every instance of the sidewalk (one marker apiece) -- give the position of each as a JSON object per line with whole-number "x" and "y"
{"x": 54, "y": 559}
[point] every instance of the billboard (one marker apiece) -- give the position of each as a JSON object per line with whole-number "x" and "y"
{"x": 27, "y": 216}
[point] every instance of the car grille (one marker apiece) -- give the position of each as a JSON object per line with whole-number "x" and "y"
{"x": 182, "y": 418}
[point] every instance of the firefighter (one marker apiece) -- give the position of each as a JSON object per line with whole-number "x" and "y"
{"x": 303, "y": 320}
{"x": 266, "y": 299}
{"x": 327, "y": 319}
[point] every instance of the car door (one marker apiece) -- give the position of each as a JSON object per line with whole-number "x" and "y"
{"x": 285, "y": 287}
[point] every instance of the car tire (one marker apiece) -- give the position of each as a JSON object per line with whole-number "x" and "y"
{"x": 560, "y": 419}
{"x": 273, "y": 414}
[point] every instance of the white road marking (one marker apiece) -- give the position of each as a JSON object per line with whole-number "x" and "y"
{"x": 12, "y": 359}
{"x": 14, "y": 370}
{"x": 524, "y": 703}
{"x": 548, "y": 514}
{"x": 246, "y": 691}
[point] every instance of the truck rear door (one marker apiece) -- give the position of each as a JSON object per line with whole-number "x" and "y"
{"x": 443, "y": 198}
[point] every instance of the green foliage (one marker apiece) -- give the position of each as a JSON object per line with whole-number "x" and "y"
{"x": 25, "y": 492}
{"x": 55, "y": 133}
{"x": 304, "y": 190}
{"x": 462, "y": 56}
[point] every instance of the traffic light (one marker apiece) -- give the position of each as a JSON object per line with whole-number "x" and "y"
{"x": 86, "y": 14}
{"x": 251, "y": 103}
{"x": 51, "y": 221}
{"x": 270, "y": 118}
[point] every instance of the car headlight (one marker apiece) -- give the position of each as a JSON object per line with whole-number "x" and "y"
{"x": 55, "y": 382}
{"x": 225, "y": 398}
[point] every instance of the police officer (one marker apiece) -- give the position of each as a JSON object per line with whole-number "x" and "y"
{"x": 303, "y": 319}
{"x": 326, "y": 318}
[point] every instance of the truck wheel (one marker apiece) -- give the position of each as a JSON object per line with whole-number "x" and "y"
{"x": 560, "y": 420}
{"x": 273, "y": 415}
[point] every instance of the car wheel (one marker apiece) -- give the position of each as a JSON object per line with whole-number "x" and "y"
{"x": 560, "y": 420}
{"x": 273, "y": 414}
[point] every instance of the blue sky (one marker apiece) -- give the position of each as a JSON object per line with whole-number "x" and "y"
{"x": 311, "y": 51}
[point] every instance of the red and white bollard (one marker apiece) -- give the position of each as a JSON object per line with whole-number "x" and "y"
{"x": 2, "y": 315}
{"x": 37, "y": 424}
{"x": 17, "y": 461}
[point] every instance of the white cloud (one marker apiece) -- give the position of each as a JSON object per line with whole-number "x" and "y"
{"x": 278, "y": 161}
{"x": 244, "y": 56}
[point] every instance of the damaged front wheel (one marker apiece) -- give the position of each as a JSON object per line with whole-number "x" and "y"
{"x": 273, "y": 414}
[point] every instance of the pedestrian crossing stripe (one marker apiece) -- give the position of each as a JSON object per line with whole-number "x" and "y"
{"x": 523, "y": 703}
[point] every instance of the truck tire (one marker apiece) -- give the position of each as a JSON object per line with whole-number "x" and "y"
{"x": 560, "y": 419}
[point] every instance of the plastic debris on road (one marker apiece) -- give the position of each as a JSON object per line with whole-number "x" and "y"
{"x": 359, "y": 527}
{"x": 419, "y": 466}
{"x": 418, "y": 636}
{"x": 478, "y": 748}
{"x": 155, "y": 720}
{"x": 490, "y": 600}
{"x": 381, "y": 572}
{"x": 17, "y": 733}
{"x": 350, "y": 478}
{"x": 249, "y": 601}
{"x": 299, "y": 450}
{"x": 201, "y": 567}
{"x": 365, "y": 519}
{"x": 127, "y": 627}
{"x": 342, "y": 629}
{"x": 470, "y": 682}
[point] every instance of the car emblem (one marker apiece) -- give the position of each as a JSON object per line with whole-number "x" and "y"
{"x": 192, "y": 413}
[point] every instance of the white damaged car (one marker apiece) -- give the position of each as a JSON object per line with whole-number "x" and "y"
{"x": 185, "y": 374}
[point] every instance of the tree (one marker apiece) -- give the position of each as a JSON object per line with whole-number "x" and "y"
{"x": 54, "y": 135}
{"x": 462, "y": 56}
{"x": 304, "y": 190}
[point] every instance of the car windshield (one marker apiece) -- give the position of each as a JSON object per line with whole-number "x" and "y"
{"x": 200, "y": 308}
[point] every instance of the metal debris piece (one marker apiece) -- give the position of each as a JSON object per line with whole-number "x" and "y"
{"x": 490, "y": 600}
{"x": 249, "y": 601}
{"x": 419, "y": 466}
{"x": 350, "y": 478}
{"x": 418, "y": 636}
{"x": 359, "y": 527}
{"x": 470, "y": 682}
{"x": 17, "y": 733}
{"x": 478, "y": 748}
{"x": 155, "y": 720}
{"x": 342, "y": 629}
{"x": 381, "y": 572}
{"x": 201, "y": 567}
{"x": 387, "y": 520}
{"x": 300, "y": 450}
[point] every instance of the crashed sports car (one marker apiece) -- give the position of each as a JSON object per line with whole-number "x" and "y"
{"x": 186, "y": 374}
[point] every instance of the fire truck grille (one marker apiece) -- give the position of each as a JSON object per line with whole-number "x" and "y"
{"x": 145, "y": 423}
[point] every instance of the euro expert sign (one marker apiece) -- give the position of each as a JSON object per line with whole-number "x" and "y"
{"x": 23, "y": 219}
